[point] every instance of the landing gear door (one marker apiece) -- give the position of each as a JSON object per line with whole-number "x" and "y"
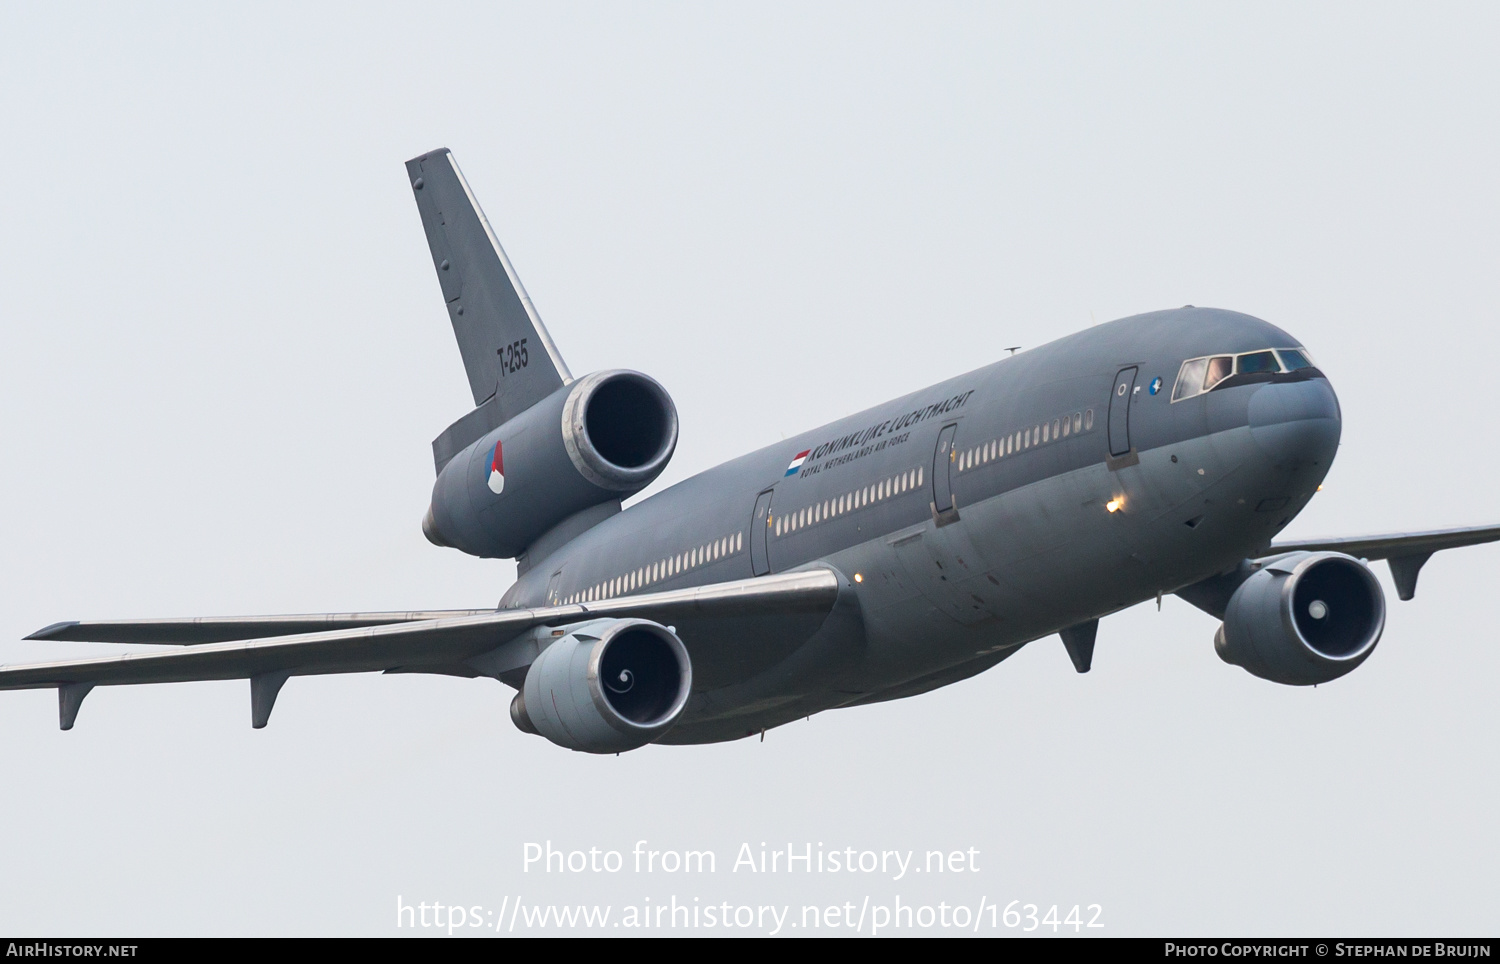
{"x": 760, "y": 523}
{"x": 1119, "y": 411}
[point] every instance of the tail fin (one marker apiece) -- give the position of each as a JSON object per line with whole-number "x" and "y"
{"x": 511, "y": 360}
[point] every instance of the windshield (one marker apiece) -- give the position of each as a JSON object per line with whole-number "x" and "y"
{"x": 1199, "y": 375}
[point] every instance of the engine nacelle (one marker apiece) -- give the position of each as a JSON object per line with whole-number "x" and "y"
{"x": 1306, "y": 618}
{"x": 600, "y": 439}
{"x": 609, "y": 685}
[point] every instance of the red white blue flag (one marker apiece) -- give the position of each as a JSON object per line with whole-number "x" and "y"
{"x": 797, "y": 462}
{"x": 497, "y": 471}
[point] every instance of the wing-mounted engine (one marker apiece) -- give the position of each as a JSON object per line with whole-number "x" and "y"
{"x": 607, "y": 686}
{"x": 594, "y": 441}
{"x": 1303, "y": 618}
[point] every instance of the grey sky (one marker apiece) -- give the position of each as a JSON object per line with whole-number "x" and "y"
{"x": 226, "y": 355}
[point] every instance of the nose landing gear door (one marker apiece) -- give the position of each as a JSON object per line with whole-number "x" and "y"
{"x": 1119, "y": 412}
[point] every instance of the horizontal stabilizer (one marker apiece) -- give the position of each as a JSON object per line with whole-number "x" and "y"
{"x": 735, "y": 627}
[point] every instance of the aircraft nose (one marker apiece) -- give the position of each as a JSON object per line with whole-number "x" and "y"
{"x": 1296, "y": 421}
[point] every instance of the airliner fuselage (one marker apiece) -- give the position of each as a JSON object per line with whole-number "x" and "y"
{"x": 1037, "y": 493}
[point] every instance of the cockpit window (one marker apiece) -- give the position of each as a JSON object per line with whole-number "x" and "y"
{"x": 1258, "y": 361}
{"x": 1294, "y": 359}
{"x": 1199, "y": 375}
{"x": 1220, "y": 367}
{"x": 1190, "y": 378}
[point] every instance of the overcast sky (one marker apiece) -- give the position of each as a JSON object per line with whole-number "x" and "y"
{"x": 226, "y": 355}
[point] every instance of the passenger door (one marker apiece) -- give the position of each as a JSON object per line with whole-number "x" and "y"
{"x": 1119, "y": 411}
{"x": 943, "y": 510}
{"x": 760, "y": 522}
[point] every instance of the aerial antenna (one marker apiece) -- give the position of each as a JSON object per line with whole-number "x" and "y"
{"x": 1013, "y": 349}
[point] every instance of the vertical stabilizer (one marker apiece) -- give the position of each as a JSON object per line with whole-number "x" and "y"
{"x": 508, "y": 354}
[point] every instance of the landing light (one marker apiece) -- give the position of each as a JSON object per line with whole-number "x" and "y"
{"x": 858, "y": 577}
{"x": 1113, "y": 505}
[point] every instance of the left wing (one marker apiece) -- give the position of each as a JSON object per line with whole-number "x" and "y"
{"x": 1405, "y": 552}
{"x": 733, "y": 628}
{"x": 218, "y": 629}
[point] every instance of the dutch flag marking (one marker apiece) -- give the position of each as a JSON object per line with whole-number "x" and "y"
{"x": 497, "y": 471}
{"x": 797, "y": 462}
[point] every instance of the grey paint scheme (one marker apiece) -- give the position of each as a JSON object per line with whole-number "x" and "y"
{"x": 486, "y": 303}
{"x": 890, "y": 598}
{"x": 1034, "y": 549}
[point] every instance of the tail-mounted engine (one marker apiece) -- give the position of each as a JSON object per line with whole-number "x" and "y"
{"x": 1305, "y": 618}
{"x": 607, "y": 686}
{"x": 597, "y": 440}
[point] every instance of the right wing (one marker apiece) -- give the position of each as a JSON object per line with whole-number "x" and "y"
{"x": 730, "y": 629}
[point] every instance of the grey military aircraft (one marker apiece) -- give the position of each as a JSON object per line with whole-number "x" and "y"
{"x": 895, "y": 551}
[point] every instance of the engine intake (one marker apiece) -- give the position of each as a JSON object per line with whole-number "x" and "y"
{"x": 1303, "y": 619}
{"x": 620, "y": 429}
{"x": 597, "y": 440}
{"x": 608, "y": 686}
